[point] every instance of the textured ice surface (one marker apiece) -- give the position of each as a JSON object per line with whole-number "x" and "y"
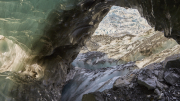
{"x": 94, "y": 60}
{"x": 86, "y": 81}
{"x": 151, "y": 45}
{"x": 122, "y": 21}
{"x": 11, "y": 56}
{"x": 22, "y": 24}
{"x": 124, "y": 35}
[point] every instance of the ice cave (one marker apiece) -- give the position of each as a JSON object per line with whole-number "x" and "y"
{"x": 89, "y": 50}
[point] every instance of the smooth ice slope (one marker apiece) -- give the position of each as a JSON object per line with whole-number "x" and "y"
{"x": 86, "y": 81}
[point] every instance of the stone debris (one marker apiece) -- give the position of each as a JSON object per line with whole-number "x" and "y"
{"x": 147, "y": 79}
{"x": 171, "y": 77}
{"x": 152, "y": 83}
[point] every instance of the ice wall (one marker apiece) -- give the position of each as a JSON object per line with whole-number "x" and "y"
{"x": 64, "y": 29}
{"x": 22, "y": 25}
{"x": 94, "y": 60}
{"x": 122, "y": 21}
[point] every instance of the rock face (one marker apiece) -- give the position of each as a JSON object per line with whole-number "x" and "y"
{"x": 150, "y": 83}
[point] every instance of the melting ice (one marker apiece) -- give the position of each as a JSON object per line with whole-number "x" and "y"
{"x": 94, "y": 60}
{"x": 86, "y": 81}
{"x": 131, "y": 39}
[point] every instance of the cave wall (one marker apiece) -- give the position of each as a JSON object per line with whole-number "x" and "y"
{"x": 64, "y": 33}
{"x": 77, "y": 25}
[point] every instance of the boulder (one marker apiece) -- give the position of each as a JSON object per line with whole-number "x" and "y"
{"x": 172, "y": 62}
{"x": 147, "y": 79}
{"x": 123, "y": 81}
{"x": 171, "y": 77}
{"x": 93, "y": 97}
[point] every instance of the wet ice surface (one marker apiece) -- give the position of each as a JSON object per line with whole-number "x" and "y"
{"x": 86, "y": 81}
{"x": 94, "y": 60}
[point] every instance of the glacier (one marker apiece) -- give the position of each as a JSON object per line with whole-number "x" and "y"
{"x": 39, "y": 39}
{"x": 120, "y": 21}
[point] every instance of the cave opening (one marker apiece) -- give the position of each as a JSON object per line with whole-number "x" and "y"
{"x": 122, "y": 43}
{"x": 123, "y": 36}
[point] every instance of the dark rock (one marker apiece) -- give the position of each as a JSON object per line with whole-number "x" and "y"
{"x": 93, "y": 97}
{"x": 161, "y": 97}
{"x": 153, "y": 66}
{"x": 172, "y": 62}
{"x": 160, "y": 76}
{"x": 157, "y": 92}
{"x": 147, "y": 79}
{"x": 160, "y": 85}
{"x": 150, "y": 84}
{"x": 171, "y": 77}
{"x": 148, "y": 96}
{"x": 123, "y": 81}
{"x": 156, "y": 72}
